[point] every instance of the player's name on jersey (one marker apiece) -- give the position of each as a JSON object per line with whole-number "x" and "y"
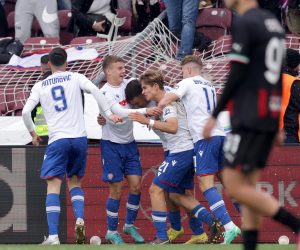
{"x": 55, "y": 80}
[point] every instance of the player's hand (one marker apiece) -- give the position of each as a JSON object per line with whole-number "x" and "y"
{"x": 155, "y": 111}
{"x": 101, "y": 120}
{"x": 35, "y": 139}
{"x": 98, "y": 26}
{"x": 138, "y": 117}
{"x": 279, "y": 139}
{"x": 209, "y": 126}
{"x": 115, "y": 118}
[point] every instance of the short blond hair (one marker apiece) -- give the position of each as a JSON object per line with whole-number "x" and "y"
{"x": 192, "y": 59}
{"x": 151, "y": 77}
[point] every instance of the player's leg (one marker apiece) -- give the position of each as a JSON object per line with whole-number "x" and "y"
{"x": 113, "y": 174}
{"x": 23, "y": 20}
{"x": 133, "y": 172}
{"x": 53, "y": 170}
{"x": 46, "y": 14}
{"x": 75, "y": 171}
{"x": 159, "y": 213}
{"x": 207, "y": 166}
{"x": 174, "y": 217}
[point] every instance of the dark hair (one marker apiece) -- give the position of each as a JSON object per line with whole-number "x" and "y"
{"x": 45, "y": 59}
{"x": 133, "y": 89}
{"x": 58, "y": 57}
{"x": 109, "y": 60}
{"x": 191, "y": 59}
{"x": 292, "y": 58}
{"x": 151, "y": 77}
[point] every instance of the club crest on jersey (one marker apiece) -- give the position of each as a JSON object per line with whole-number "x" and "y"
{"x": 174, "y": 163}
{"x": 201, "y": 153}
{"x": 167, "y": 112}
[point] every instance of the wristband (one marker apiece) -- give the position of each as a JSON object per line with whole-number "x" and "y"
{"x": 151, "y": 124}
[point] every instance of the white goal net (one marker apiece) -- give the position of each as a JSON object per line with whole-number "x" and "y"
{"x": 154, "y": 48}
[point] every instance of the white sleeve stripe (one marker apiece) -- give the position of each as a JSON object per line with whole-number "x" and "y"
{"x": 238, "y": 58}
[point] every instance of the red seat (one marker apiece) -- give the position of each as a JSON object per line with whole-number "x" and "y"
{"x": 64, "y": 17}
{"x": 3, "y": 108}
{"x": 221, "y": 46}
{"x": 11, "y": 24}
{"x": 292, "y": 41}
{"x": 9, "y": 6}
{"x": 86, "y": 40}
{"x": 214, "y": 22}
{"x": 127, "y": 26}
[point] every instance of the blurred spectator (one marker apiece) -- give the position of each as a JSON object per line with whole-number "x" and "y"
{"x": 293, "y": 17}
{"x": 290, "y": 108}
{"x": 125, "y": 4}
{"x": 8, "y": 48}
{"x": 206, "y": 4}
{"x": 182, "y": 16}
{"x": 90, "y": 17}
{"x": 45, "y": 12}
{"x": 3, "y": 22}
{"x": 146, "y": 11}
{"x": 2, "y": 2}
{"x": 273, "y": 6}
{"x": 64, "y": 4}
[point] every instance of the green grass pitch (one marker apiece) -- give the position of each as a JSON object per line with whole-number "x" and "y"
{"x": 146, "y": 247}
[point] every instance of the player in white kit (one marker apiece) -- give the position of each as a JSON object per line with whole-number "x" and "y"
{"x": 61, "y": 100}
{"x": 120, "y": 157}
{"x": 199, "y": 99}
{"x": 176, "y": 174}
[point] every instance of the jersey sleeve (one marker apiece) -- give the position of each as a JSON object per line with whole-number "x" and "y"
{"x": 169, "y": 111}
{"x": 240, "y": 41}
{"x": 35, "y": 93}
{"x": 180, "y": 89}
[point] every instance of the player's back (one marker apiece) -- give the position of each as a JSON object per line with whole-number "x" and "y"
{"x": 258, "y": 41}
{"x": 61, "y": 100}
{"x": 199, "y": 102}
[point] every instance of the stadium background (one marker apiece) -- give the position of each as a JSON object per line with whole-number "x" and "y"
{"x": 22, "y": 205}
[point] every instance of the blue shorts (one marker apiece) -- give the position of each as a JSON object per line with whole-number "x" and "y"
{"x": 65, "y": 156}
{"x": 119, "y": 160}
{"x": 176, "y": 173}
{"x": 209, "y": 156}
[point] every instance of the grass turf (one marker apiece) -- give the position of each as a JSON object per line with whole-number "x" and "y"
{"x": 145, "y": 247}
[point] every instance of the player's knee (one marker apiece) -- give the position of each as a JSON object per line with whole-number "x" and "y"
{"x": 135, "y": 189}
{"x": 155, "y": 190}
{"x": 205, "y": 184}
{"x": 115, "y": 193}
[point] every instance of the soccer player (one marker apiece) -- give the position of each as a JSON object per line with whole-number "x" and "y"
{"x": 199, "y": 99}
{"x": 176, "y": 174}
{"x": 60, "y": 98}
{"x": 253, "y": 91}
{"x": 135, "y": 98}
{"x": 120, "y": 157}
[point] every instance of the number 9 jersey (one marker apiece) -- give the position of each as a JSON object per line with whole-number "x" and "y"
{"x": 61, "y": 99}
{"x": 258, "y": 42}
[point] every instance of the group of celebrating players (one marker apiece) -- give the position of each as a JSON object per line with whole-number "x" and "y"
{"x": 185, "y": 119}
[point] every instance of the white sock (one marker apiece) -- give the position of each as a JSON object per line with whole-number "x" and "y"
{"x": 111, "y": 232}
{"x": 229, "y": 226}
{"x": 79, "y": 221}
{"x": 128, "y": 225}
{"x": 53, "y": 236}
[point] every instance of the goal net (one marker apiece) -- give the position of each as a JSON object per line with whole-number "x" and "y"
{"x": 154, "y": 48}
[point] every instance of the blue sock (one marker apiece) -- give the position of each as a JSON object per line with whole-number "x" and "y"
{"x": 196, "y": 226}
{"x": 112, "y": 208}
{"x": 77, "y": 198}
{"x": 201, "y": 213}
{"x": 237, "y": 206}
{"x": 175, "y": 220}
{"x": 132, "y": 208}
{"x": 53, "y": 212}
{"x": 160, "y": 222}
{"x": 217, "y": 205}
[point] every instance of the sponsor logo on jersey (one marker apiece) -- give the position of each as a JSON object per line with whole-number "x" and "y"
{"x": 237, "y": 47}
{"x": 167, "y": 112}
{"x": 201, "y": 153}
{"x": 174, "y": 163}
{"x": 123, "y": 103}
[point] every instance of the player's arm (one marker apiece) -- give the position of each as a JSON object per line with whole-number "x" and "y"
{"x": 31, "y": 103}
{"x": 103, "y": 103}
{"x": 295, "y": 93}
{"x": 169, "y": 126}
{"x": 124, "y": 112}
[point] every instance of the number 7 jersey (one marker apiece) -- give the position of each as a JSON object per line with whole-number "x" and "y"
{"x": 61, "y": 99}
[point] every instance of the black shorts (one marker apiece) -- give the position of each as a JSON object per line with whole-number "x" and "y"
{"x": 247, "y": 150}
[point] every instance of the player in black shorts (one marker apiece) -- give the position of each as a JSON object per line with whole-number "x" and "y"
{"x": 253, "y": 96}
